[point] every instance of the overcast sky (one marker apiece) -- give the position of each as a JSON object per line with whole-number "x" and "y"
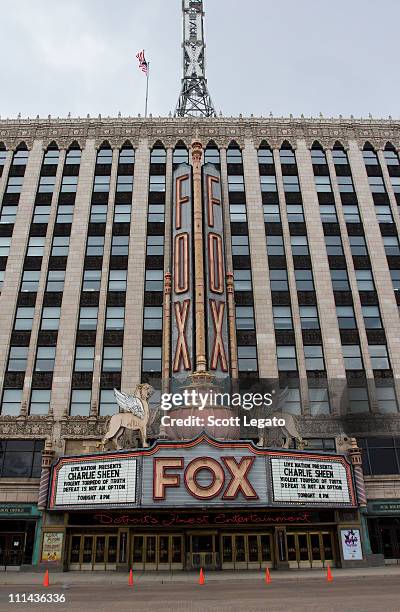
{"x": 291, "y": 56}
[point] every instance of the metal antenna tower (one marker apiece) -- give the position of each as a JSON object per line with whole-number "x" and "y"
{"x": 194, "y": 99}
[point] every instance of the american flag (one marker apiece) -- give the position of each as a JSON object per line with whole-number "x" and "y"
{"x": 143, "y": 66}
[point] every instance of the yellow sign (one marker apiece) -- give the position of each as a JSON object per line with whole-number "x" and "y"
{"x": 52, "y": 546}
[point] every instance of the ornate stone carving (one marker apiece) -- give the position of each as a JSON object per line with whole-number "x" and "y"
{"x": 16, "y": 427}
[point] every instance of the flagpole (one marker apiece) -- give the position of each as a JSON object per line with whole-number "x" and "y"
{"x": 147, "y": 89}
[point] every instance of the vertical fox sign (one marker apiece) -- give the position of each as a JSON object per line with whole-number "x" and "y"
{"x": 216, "y": 303}
{"x": 182, "y": 277}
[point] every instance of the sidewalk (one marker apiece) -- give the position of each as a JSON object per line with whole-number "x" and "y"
{"x": 67, "y": 579}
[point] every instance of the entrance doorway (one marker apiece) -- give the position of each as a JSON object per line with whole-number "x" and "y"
{"x": 203, "y": 551}
{"x": 246, "y": 551}
{"x": 310, "y": 549}
{"x": 157, "y": 552}
{"x": 93, "y": 552}
{"x": 12, "y": 546}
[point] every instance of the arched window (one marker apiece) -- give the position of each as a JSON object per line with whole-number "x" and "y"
{"x": 211, "y": 154}
{"x": 318, "y": 156}
{"x": 287, "y": 154}
{"x": 181, "y": 154}
{"x": 234, "y": 154}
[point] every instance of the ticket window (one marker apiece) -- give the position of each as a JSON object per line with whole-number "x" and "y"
{"x": 246, "y": 551}
{"x": 93, "y": 552}
{"x": 310, "y": 549}
{"x": 158, "y": 552}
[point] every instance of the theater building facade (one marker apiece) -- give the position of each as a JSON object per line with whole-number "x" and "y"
{"x": 238, "y": 254}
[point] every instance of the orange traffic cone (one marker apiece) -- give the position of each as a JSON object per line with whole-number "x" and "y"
{"x": 267, "y": 576}
{"x": 46, "y": 581}
{"x": 130, "y": 577}
{"x": 201, "y": 577}
{"x": 329, "y": 576}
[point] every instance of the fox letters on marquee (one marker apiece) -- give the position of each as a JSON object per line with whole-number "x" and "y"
{"x": 202, "y": 471}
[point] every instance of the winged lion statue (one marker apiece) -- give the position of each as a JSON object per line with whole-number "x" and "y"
{"x": 134, "y": 415}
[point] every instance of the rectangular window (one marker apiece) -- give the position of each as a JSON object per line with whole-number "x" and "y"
{"x": 55, "y": 281}
{"x": 381, "y": 455}
{"x": 41, "y": 214}
{"x": 242, "y": 280}
{"x": 98, "y": 213}
{"x": 101, "y": 184}
{"x": 124, "y": 184}
{"x": 358, "y": 246}
{"x": 372, "y": 317}
{"x": 295, "y": 213}
{"x": 14, "y": 184}
{"x": 240, "y": 245}
{"x": 314, "y": 358}
{"x": 235, "y": 183}
{"x": 386, "y": 398}
{"x": 104, "y": 157}
{"x": 333, "y": 245}
{"x": 30, "y": 281}
{"x": 309, "y": 317}
{"x": 238, "y": 213}
{"x": 80, "y": 402}
{"x": 304, "y": 280}
{"x": 287, "y": 156}
{"x": 271, "y": 213}
{"x": 395, "y": 274}
{"x": 376, "y": 184}
{"x": 11, "y": 404}
{"x": 20, "y": 158}
{"x": 154, "y": 280}
{"x": 69, "y": 184}
{"x": 151, "y": 359}
{"x": 51, "y": 157}
{"x": 115, "y": 317}
{"x": 5, "y": 242}
{"x": 21, "y": 458}
{"x": 345, "y": 184}
{"x": 370, "y": 158}
{"x": 46, "y": 184}
{"x": 395, "y": 180}
{"x": 84, "y": 359}
{"x": 60, "y": 246}
{"x": 299, "y": 245}
{"x": 120, "y": 245}
{"x": 279, "y": 280}
{"x": 155, "y": 245}
{"x": 247, "y": 358}
{"x": 339, "y": 157}
{"x": 391, "y": 158}
{"x": 91, "y": 280}
{"x": 8, "y": 215}
{"x": 157, "y": 183}
{"x": 95, "y": 246}
{"x": 319, "y": 405}
{"x": 318, "y": 157}
{"x": 275, "y": 245}
{"x": 323, "y": 184}
{"x": 50, "y": 318}
{"x": 292, "y": 401}
{"x": 156, "y": 213}
{"x": 40, "y": 401}
{"x": 126, "y": 156}
{"x": 17, "y": 359}
{"x": 153, "y": 318}
{"x": 112, "y": 359}
{"x": 88, "y": 318}
{"x": 365, "y": 282}
{"x": 328, "y": 213}
{"x": 45, "y": 359}
{"x": 268, "y": 183}
{"x": 352, "y": 357}
{"x": 340, "y": 280}
{"x": 383, "y": 214}
{"x": 234, "y": 156}
{"x": 379, "y": 357}
{"x": 158, "y": 156}
{"x": 346, "y": 318}
{"x": 108, "y": 404}
{"x": 286, "y": 358}
{"x": 245, "y": 317}
{"x": 73, "y": 157}
{"x": 122, "y": 213}
{"x": 65, "y": 213}
{"x": 282, "y": 317}
{"x": 24, "y": 318}
{"x": 117, "y": 280}
{"x": 391, "y": 245}
{"x": 351, "y": 213}
{"x": 358, "y": 399}
{"x": 291, "y": 184}
{"x": 35, "y": 247}
{"x": 265, "y": 156}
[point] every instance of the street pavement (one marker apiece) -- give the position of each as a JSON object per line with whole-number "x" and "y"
{"x": 368, "y": 590}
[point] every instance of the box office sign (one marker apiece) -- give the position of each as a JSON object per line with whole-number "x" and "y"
{"x": 202, "y": 473}
{"x": 108, "y": 481}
